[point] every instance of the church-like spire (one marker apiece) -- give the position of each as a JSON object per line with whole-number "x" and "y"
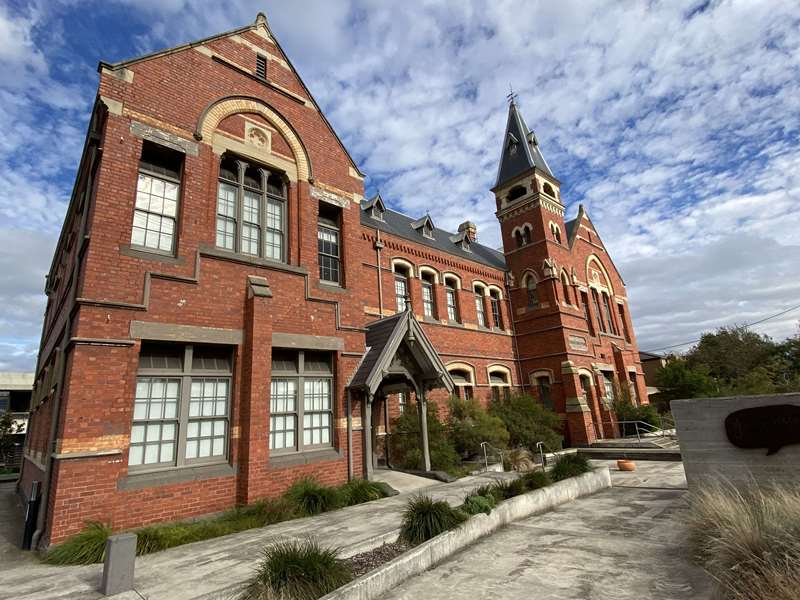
{"x": 520, "y": 148}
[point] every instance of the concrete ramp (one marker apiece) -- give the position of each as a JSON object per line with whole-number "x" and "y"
{"x": 403, "y": 482}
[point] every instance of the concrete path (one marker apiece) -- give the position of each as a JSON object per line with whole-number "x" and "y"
{"x": 12, "y": 514}
{"x": 213, "y": 568}
{"x": 628, "y": 542}
{"x": 403, "y": 482}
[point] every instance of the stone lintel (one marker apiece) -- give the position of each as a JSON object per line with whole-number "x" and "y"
{"x": 575, "y": 405}
{"x": 170, "y": 140}
{"x": 258, "y": 287}
{"x": 171, "y": 332}
{"x": 309, "y": 342}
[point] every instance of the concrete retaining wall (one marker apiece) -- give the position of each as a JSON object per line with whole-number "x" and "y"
{"x": 707, "y": 453}
{"x": 423, "y": 557}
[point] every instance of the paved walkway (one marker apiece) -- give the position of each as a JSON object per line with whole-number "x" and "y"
{"x": 628, "y": 542}
{"x": 213, "y": 568}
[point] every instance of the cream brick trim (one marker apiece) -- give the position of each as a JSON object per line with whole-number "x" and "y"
{"x": 122, "y": 74}
{"x": 498, "y": 369}
{"x": 462, "y": 366}
{"x": 204, "y": 50}
{"x": 221, "y": 142}
{"x": 113, "y": 106}
{"x": 231, "y": 106}
{"x": 355, "y": 174}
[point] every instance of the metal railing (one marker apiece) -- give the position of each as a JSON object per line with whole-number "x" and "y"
{"x": 639, "y": 427}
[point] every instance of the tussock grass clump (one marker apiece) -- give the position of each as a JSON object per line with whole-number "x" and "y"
{"x": 749, "y": 540}
{"x": 425, "y": 518}
{"x": 84, "y": 548}
{"x": 474, "y": 505}
{"x": 535, "y": 480}
{"x": 295, "y": 570}
{"x": 569, "y": 465}
{"x": 358, "y": 491}
{"x": 313, "y": 498}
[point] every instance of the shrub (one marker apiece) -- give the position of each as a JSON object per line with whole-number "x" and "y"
{"x": 515, "y": 487}
{"x": 404, "y": 442}
{"x": 425, "y": 518}
{"x": 749, "y": 540}
{"x": 311, "y": 497}
{"x": 470, "y": 425}
{"x": 295, "y": 570}
{"x": 569, "y": 465}
{"x": 528, "y": 422}
{"x": 535, "y": 480}
{"x": 474, "y": 505}
{"x": 358, "y": 491}
{"x": 84, "y": 548}
{"x": 518, "y": 459}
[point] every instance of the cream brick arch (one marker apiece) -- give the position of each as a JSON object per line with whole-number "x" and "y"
{"x": 220, "y": 109}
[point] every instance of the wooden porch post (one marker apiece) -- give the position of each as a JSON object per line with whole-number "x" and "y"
{"x": 423, "y": 427}
{"x": 366, "y": 417}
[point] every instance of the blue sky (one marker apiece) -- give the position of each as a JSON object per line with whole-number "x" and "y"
{"x": 676, "y": 123}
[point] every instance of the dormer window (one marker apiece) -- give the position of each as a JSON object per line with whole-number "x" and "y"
{"x": 424, "y": 226}
{"x": 377, "y": 213}
{"x": 427, "y": 231}
{"x": 375, "y": 207}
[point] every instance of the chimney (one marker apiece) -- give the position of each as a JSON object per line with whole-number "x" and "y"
{"x": 470, "y": 228}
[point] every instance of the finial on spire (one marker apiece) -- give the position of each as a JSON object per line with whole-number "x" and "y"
{"x": 511, "y": 97}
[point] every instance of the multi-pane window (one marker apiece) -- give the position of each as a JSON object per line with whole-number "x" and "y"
{"x": 494, "y": 301}
{"x": 634, "y": 391}
{"x": 452, "y": 305}
{"x": 328, "y": 245}
{"x": 533, "y": 297}
{"x": 608, "y": 315}
{"x": 608, "y": 383}
{"x": 428, "y": 301}
{"x": 586, "y": 315}
{"x": 565, "y": 288}
{"x": 596, "y": 303}
{"x": 463, "y": 381}
{"x": 480, "y": 310}
{"x": 181, "y": 411}
{"x": 400, "y": 287}
{"x": 301, "y": 395}
{"x": 157, "y": 191}
{"x": 625, "y": 331}
{"x": 500, "y": 384}
{"x": 402, "y": 401}
{"x": 251, "y": 209}
{"x": 543, "y": 386}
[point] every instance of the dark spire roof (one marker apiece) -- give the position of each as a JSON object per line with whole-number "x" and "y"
{"x": 520, "y": 149}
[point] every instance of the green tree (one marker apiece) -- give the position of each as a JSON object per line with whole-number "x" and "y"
{"x": 8, "y": 428}
{"x": 678, "y": 379}
{"x": 731, "y": 352}
{"x": 404, "y": 442}
{"x": 470, "y": 424}
{"x": 528, "y": 422}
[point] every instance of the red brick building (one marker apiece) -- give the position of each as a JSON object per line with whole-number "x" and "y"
{"x": 227, "y": 312}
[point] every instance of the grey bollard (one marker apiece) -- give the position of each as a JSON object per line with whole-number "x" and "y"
{"x": 118, "y": 566}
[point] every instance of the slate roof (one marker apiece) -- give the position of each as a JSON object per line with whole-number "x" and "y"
{"x": 378, "y": 333}
{"x": 527, "y": 154}
{"x": 570, "y": 226}
{"x": 402, "y": 226}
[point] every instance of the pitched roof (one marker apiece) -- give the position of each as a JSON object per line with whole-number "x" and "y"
{"x": 402, "y": 226}
{"x": 520, "y": 149}
{"x": 260, "y": 22}
{"x": 383, "y": 340}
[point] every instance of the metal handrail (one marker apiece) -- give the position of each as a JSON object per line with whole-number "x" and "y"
{"x": 484, "y": 446}
{"x": 645, "y": 426}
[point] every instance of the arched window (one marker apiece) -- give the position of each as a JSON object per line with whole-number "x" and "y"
{"x": 463, "y": 380}
{"x": 500, "y": 383}
{"x": 518, "y": 239}
{"x": 565, "y": 288}
{"x": 548, "y": 189}
{"x": 533, "y": 297}
{"x": 428, "y": 298}
{"x": 480, "y": 307}
{"x": 451, "y": 297}
{"x": 401, "y": 275}
{"x": 609, "y": 317}
{"x": 494, "y": 301}
{"x": 516, "y": 192}
{"x": 251, "y": 209}
{"x": 596, "y": 303}
{"x": 542, "y": 380}
{"x": 556, "y": 231}
{"x": 526, "y": 235}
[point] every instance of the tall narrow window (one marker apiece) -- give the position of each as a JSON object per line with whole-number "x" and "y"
{"x": 609, "y": 315}
{"x": 543, "y": 387}
{"x": 428, "y": 299}
{"x": 596, "y": 303}
{"x": 565, "y": 288}
{"x": 157, "y": 192}
{"x": 608, "y": 383}
{"x": 625, "y": 331}
{"x": 480, "y": 310}
{"x": 634, "y": 391}
{"x": 452, "y": 304}
{"x": 181, "y": 413}
{"x": 494, "y": 300}
{"x": 533, "y": 297}
{"x": 301, "y": 396}
{"x": 586, "y": 315}
{"x": 328, "y": 244}
{"x": 401, "y": 275}
{"x": 251, "y": 211}
{"x": 402, "y": 401}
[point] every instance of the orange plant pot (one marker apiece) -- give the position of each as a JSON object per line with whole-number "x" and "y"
{"x": 626, "y": 465}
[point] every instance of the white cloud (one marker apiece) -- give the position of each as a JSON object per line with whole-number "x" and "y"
{"x": 681, "y": 137}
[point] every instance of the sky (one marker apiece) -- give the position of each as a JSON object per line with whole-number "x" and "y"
{"x": 676, "y": 124}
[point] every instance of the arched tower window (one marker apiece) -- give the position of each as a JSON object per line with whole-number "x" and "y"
{"x": 565, "y": 287}
{"x": 518, "y": 238}
{"x": 548, "y": 189}
{"x": 530, "y": 287}
{"x": 516, "y": 192}
{"x": 526, "y": 235}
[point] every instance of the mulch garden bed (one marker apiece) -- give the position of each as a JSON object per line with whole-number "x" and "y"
{"x": 363, "y": 563}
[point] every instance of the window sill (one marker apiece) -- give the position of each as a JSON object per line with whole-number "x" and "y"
{"x": 304, "y": 458}
{"x": 214, "y": 252}
{"x": 138, "y": 481}
{"x": 329, "y": 286}
{"x": 148, "y": 254}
